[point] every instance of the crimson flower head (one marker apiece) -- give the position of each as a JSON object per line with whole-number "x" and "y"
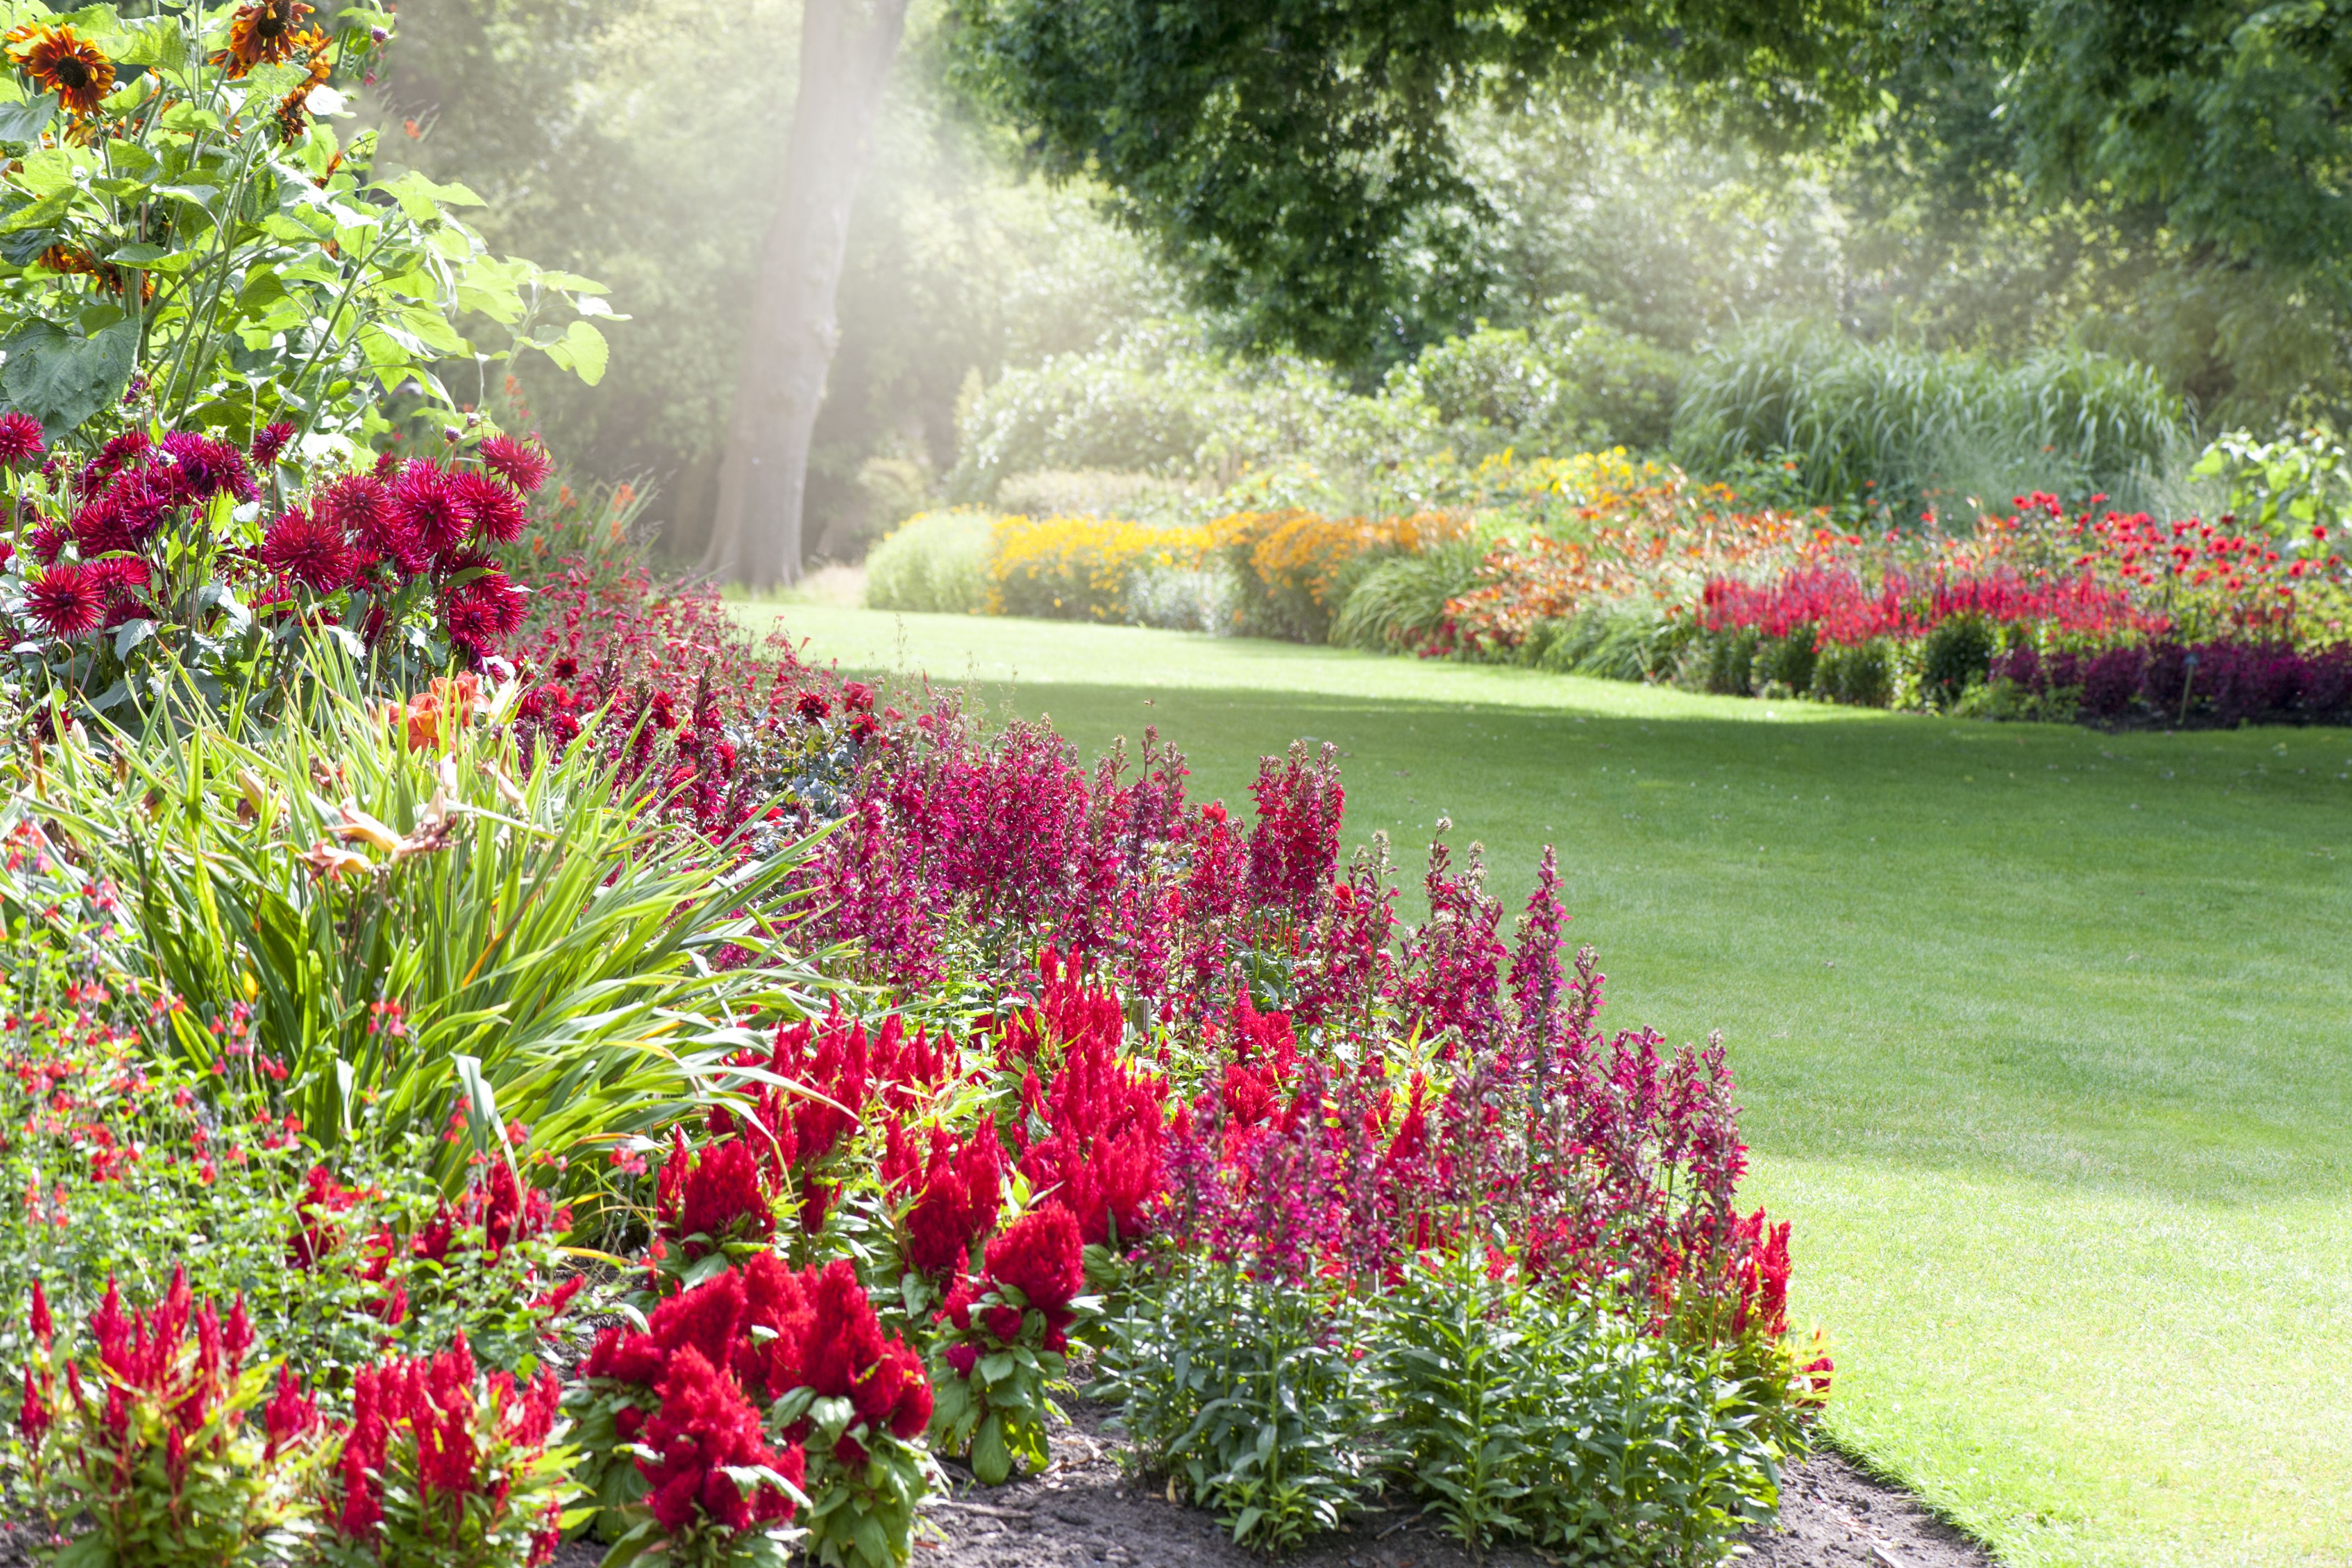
{"x": 497, "y": 510}
{"x": 20, "y": 438}
{"x": 1039, "y": 1255}
{"x": 714, "y": 1194}
{"x": 482, "y": 613}
{"x": 271, "y": 442}
{"x": 70, "y": 600}
{"x": 704, "y": 1429}
{"x": 522, "y": 464}
{"x": 309, "y": 549}
{"x": 812, "y": 706}
{"x": 210, "y": 467}
{"x": 427, "y": 504}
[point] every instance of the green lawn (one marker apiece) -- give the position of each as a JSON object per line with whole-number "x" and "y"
{"x": 2045, "y": 1035}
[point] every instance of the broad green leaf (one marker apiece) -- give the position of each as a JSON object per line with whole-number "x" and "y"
{"x": 583, "y": 351}
{"x": 24, "y": 121}
{"x": 40, "y": 214}
{"x": 62, "y": 378}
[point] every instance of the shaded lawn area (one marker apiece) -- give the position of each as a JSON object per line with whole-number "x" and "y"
{"x": 2045, "y": 1035}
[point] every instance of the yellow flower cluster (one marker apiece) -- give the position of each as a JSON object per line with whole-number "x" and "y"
{"x": 1078, "y": 567}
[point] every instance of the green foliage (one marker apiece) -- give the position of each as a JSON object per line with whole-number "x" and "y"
{"x": 162, "y": 1492}
{"x": 1507, "y": 1414}
{"x": 1956, "y": 655}
{"x": 936, "y": 563}
{"x": 1401, "y": 601}
{"x": 1250, "y": 1395}
{"x": 549, "y": 951}
{"x": 1514, "y": 1415}
{"x": 1908, "y": 430}
{"x": 1568, "y": 385}
{"x": 202, "y": 233}
{"x": 2287, "y": 487}
{"x": 997, "y": 1408}
{"x": 1616, "y": 640}
{"x": 2218, "y": 114}
{"x": 1301, "y": 161}
{"x": 1862, "y": 675}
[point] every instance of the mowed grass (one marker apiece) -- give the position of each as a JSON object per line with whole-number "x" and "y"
{"x": 2045, "y": 1035}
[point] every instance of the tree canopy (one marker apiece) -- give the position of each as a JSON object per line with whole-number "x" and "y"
{"x": 1299, "y": 159}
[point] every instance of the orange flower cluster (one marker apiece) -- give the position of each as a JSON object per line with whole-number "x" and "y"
{"x": 1305, "y": 553}
{"x": 444, "y": 701}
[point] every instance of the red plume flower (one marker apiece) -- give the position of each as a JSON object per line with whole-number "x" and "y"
{"x": 497, "y": 510}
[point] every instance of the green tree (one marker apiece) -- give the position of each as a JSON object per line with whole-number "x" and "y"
{"x": 1300, "y": 160}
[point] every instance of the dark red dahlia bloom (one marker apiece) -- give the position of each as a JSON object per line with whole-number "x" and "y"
{"x": 20, "y": 438}
{"x": 69, "y": 601}
{"x": 426, "y": 502}
{"x": 99, "y": 527}
{"x": 524, "y": 465}
{"x": 483, "y": 613}
{"x": 121, "y": 574}
{"x": 46, "y": 541}
{"x": 210, "y": 467}
{"x": 497, "y": 510}
{"x": 270, "y": 443}
{"x": 115, "y": 456}
{"x": 312, "y": 550}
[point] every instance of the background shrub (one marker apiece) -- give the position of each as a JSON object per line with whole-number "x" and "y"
{"x": 1955, "y": 656}
{"x": 937, "y": 562}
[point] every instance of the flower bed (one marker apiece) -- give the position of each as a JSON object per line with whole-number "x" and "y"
{"x": 1021, "y": 1057}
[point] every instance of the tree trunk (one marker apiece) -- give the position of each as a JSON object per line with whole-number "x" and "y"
{"x": 846, "y": 50}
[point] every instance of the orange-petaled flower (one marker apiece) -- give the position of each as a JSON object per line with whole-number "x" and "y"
{"x": 263, "y": 34}
{"x": 63, "y": 62}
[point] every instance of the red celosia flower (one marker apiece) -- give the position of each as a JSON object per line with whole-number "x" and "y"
{"x": 289, "y": 1416}
{"x": 33, "y": 1415}
{"x": 312, "y": 550}
{"x": 957, "y": 1205}
{"x": 523, "y": 464}
{"x": 1039, "y": 1255}
{"x": 717, "y": 1193}
{"x": 704, "y": 1428}
{"x": 68, "y": 600}
{"x": 20, "y": 438}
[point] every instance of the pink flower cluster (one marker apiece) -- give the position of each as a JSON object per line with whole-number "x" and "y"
{"x": 1837, "y": 606}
